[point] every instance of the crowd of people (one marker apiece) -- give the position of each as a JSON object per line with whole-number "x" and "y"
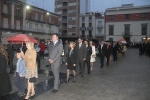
{"x": 77, "y": 56}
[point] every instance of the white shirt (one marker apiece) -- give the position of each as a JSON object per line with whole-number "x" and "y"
{"x": 55, "y": 42}
{"x": 86, "y": 46}
{"x": 101, "y": 46}
{"x": 80, "y": 45}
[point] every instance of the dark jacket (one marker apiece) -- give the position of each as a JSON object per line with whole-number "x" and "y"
{"x": 88, "y": 52}
{"x": 103, "y": 50}
{"x": 10, "y": 50}
{"x": 73, "y": 56}
{"x": 5, "y": 84}
{"x": 81, "y": 52}
{"x": 115, "y": 48}
{"x": 108, "y": 50}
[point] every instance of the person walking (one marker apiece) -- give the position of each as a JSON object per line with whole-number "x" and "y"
{"x": 88, "y": 56}
{"x": 102, "y": 52}
{"x": 81, "y": 56}
{"x": 5, "y": 84}
{"x": 115, "y": 51}
{"x": 66, "y": 48}
{"x": 71, "y": 62}
{"x": 93, "y": 55}
{"x": 108, "y": 52}
{"x": 20, "y": 74}
{"x": 10, "y": 50}
{"x": 55, "y": 51}
{"x": 42, "y": 46}
{"x": 31, "y": 68}
{"x": 37, "y": 49}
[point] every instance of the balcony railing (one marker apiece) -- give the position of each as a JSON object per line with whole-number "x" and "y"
{"x": 99, "y": 26}
{"x": 89, "y": 36}
{"x": 64, "y": 7}
{"x": 64, "y": 14}
{"x": 18, "y": 16}
{"x": 100, "y": 35}
{"x": 127, "y": 34}
{"x": 64, "y": 0}
{"x": 82, "y": 28}
{"x": 64, "y": 21}
{"x": 7, "y": 13}
{"x": 64, "y": 28}
{"x": 89, "y": 28}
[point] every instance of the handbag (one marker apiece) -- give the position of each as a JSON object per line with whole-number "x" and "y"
{"x": 94, "y": 56}
{"x": 32, "y": 80}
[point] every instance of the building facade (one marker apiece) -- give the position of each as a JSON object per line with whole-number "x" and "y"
{"x": 128, "y": 21}
{"x": 92, "y": 26}
{"x": 69, "y": 11}
{"x": 19, "y": 17}
{"x": 85, "y": 6}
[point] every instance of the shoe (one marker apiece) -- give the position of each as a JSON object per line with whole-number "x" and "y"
{"x": 27, "y": 97}
{"x": 67, "y": 81}
{"x": 81, "y": 75}
{"x": 32, "y": 95}
{"x": 22, "y": 94}
{"x": 74, "y": 80}
{"x": 54, "y": 91}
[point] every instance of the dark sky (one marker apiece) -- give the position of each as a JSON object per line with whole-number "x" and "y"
{"x": 96, "y": 5}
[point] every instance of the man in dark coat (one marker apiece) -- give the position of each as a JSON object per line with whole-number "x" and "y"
{"x": 88, "y": 55}
{"x": 115, "y": 51}
{"x": 10, "y": 50}
{"x": 108, "y": 52}
{"x": 81, "y": 56}
{"x": 102, "y": 52}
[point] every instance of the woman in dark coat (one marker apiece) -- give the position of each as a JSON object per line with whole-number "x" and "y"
{"x": 71, "y": 61}
{"x": 5, "y": 84}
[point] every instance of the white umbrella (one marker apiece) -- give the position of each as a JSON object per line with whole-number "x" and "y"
{"x": 123, "y": 41}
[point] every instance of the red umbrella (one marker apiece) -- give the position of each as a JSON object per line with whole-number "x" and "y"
{"x": 19, "y": 38}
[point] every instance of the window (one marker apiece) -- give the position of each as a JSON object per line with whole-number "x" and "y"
{"x": 111, "y": 17}
{"x": 30, "y": 14}
{"x": 90, "y": 24}
{"x": 5, "y": 21}
{"x": 36, "y": 27}
{"x": 144, "y": 15}
{"x": 144, "y": 29}
{"x": 83, "y": 19}
{"x": 18, "y": 24}
{"x": 111, "y": 30}
{"x": 49, "y": 19}
{"x": 99, "y": 23}
{"x": 90, "y": 18}
{"x": 42, "y": 18}
{"x": 127, "y": 29}
{"x": 99, "y": 32}
{"x": 17, "y": 12}
{"x": 73, "y": 11}
{"x": 70, "y": 19}
{"x": 5, "y": 8}
{"x": 83, "y": 24}
{"x": 127, "y": 16}
{"x": 36, "y": 16}
{"x": 83, "y": 33}
{"x": 90, "y": 33}
{"x": 30, "y": 25}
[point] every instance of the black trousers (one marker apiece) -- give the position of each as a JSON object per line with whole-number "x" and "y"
{"x": 20, "y": 83}
{"x": 38, "y": 60}
{"x": 81, "y": 66}
{"x": 10, "y": 62}
{"x": 115, "y": 56}
{"x": 6, "y": 97}
{"x": 87, "y": 62}
{"x": 102, "y": 59}
{"x": 42, "y": 55}
{"x": 108, "y": 58}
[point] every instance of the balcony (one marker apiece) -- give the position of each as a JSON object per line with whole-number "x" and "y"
{"x": 99, "y": 35}
{"x": 64, "y": 28}
{"x": 65, "y": 1}
{"x": 6, "y": 13}
{"x": 82, "y": 28}
{"x": 99, "y": 26}
{"x": 126, "y": 34}
{"x": 64, "y": 7}
{"x": 18, "y": 16}
{"x": 89, "y": 28}
{"x": 64, "y": 14}
{"x": 83, "y": 36}
{"x": 36, "y": 20}
{"x": 64, "y": 21}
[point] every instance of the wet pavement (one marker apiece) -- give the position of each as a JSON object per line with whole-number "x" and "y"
{"x": 125, "y": 79}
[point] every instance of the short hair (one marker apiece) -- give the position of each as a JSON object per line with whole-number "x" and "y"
{"x": 86, "y": 40}
{"x": 80, "y": 38}
{"x": 73, "y": 43}
{"x": 31, "y": 44}
{"x": 56, "y": 34}
{"x": 18, "y": 51}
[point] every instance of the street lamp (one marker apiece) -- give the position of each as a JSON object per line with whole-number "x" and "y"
{"x": 47, "y": 13}
{"x": 28, "y": 7}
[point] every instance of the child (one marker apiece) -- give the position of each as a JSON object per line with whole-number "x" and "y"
{"x": 20, "y": 74}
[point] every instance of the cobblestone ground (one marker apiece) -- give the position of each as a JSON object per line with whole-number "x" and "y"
{"x": 125, "y": 79}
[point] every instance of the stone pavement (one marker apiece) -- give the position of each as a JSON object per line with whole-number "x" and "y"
{"x": 125, "y": 79}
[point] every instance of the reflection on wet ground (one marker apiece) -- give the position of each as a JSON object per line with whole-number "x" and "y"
{"x": 44, "y": 86}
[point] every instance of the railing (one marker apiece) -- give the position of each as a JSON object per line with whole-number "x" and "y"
{"x": 100, "y": 35}
{"x": 64, "y": 0}
{"x": 89, "y": 28}
{"x": 99, "y": 26}
{"x": 64, "y": 7}
{"x": 6, "y": 12}
{"x": 89, "y": 36}
{"x": 127, "y": 34}
{"x": 64, "y": 21}
{"x": 64, "y": 28}
{"x": 82, "y": 28}
{"x": 64, "y": 14}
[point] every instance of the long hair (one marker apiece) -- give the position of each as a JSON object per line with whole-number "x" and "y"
{"x": 3, "y": 52}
